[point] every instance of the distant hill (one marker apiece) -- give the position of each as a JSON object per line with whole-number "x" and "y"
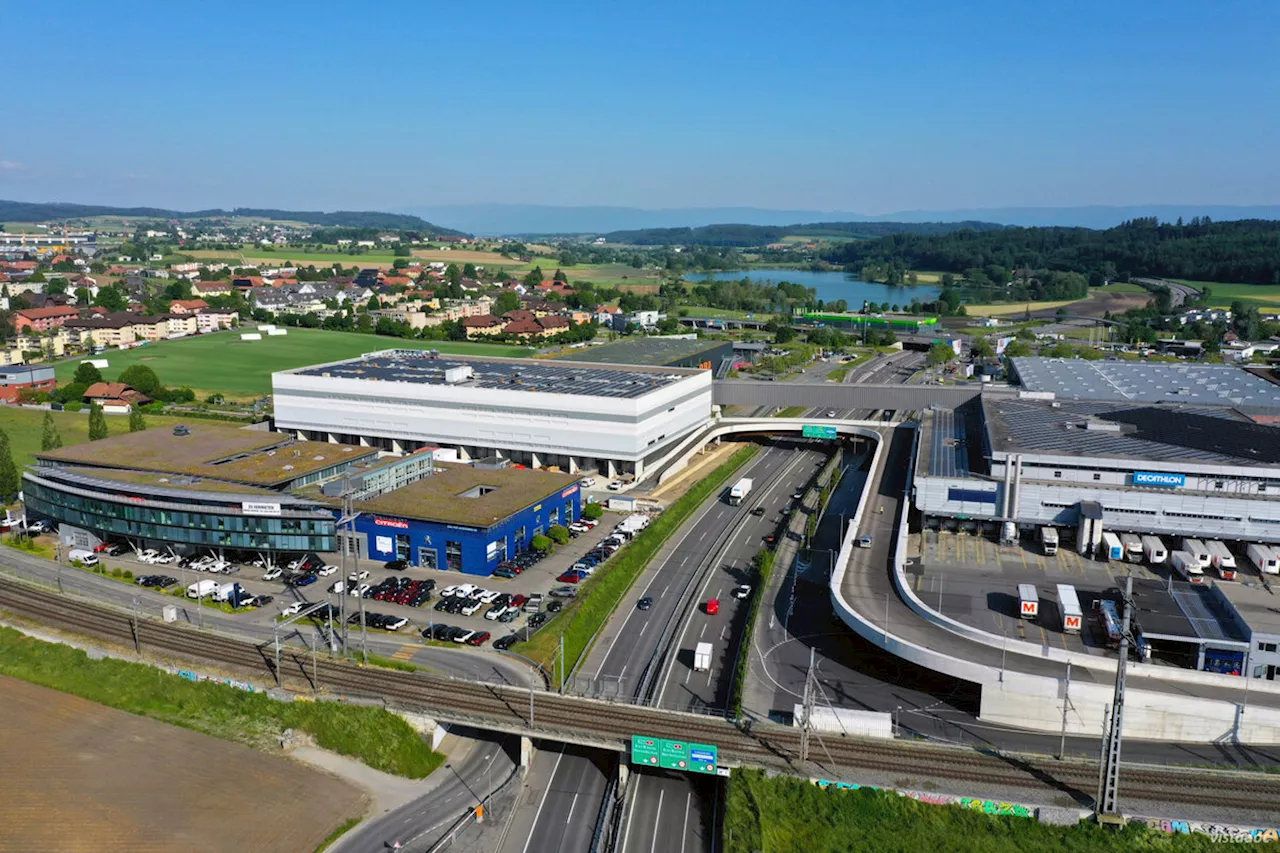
{"x": 23, "y": 211}
{"x": 760, "y": 235}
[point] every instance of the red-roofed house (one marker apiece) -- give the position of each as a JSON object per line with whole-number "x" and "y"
{"x": 397, "y": 281}
{"x": 553, "y": 325}
{"x": 211, "y": 288}
{"x": 523, "y": 327}
{"x": 187, "y": 306}
{"x": 115, "y": 397}
{"x": 552, "y": 286}
{"x": 43, "y": 319}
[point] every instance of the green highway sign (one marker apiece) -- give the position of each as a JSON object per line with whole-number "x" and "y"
{"x": 816, "y": 431}
{"x": 674, "y": 754}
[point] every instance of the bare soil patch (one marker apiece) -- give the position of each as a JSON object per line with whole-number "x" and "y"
{"x": 84, "y": 777}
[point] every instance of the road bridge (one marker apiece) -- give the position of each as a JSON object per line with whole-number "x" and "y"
{"x": 830, "y": 395}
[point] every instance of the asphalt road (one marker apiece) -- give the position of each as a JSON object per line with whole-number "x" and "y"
{"x": 488, "y": 666}
{"x": 670, "y": 811}
{"x": 629, "y": 645}
{"x": 563, "y": 793}
{"x": 418, "y": 825}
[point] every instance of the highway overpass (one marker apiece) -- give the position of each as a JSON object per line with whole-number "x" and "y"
{"x": 828, "y": 395}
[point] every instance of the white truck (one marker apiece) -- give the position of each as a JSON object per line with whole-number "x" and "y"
{"x": 1264, "y": 559}
{"x": 1111, "y": 547}
{"x": 1188, "y": 565}
{"x": 1132, "y": 547}
{"x": 1196, "y": 548}
{"x": 702, "y": 657}
{"x": 1028, "y": 601}
{"x": 200, "y": 589}
{"x": 84, "y": 557}
{"x": 738, "y": 491}
{"x": 1154, "y": 549}
{"x": 632, "y": 524}
{"x": 1069, "y": 604}
{"x": 1222, "y": 558}
{"x": 1049, "y": 539}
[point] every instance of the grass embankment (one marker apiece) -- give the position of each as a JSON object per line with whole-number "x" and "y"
{"x": 599, "y": 596}
{"x": 24, "y": 427}
{"x": 223, "y": 363}
{"x": 337, "y": 833}
{"x": 790, "y": 412}
{"x": 785, "y": 813}
{"x": 377, "y": 737}
{"x": 763, "y": 563}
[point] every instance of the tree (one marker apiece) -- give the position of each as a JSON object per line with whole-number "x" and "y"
{"x": 940, "y": 353}
{"x": 1017, "y": 349}
{"x": 559, "y": 534}
{"x": 55, "y": 286}
{"x": 533, "y": 278}
{"x": 111, "y": 298}
{"x": 137, "y": 423}
{"x": 592, "y": 511}
{"x": 507, "y": 300}
{"x": 784, "y": 335}
{"x": 453, "y": 275}
{"x": 560, "y": 277}
{"x": 142, "y": 378}
{"x": 469, "y": 270}
{"x": 9, "y": 484}
{"x": 83, "y": 296}
{"x": 49, "y": 437}
{"x": 982, "y": 348}
{"x": 537, "y": 543}
{"x": 97, "y": 422}
{"x": 87, "y": 374}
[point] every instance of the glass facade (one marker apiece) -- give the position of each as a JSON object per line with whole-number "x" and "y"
{"x": 137, "y": 517}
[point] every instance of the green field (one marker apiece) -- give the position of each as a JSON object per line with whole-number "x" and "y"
{"x": 24, "y": 427}
{"x": 1222, "y": 294}
{"x": 222, "y": 362}
{"x": 1119, "y": 287}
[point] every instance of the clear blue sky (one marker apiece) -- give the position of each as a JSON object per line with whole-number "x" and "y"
{"x": 868, "y": 107}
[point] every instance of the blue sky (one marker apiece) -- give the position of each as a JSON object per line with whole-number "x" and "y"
{"x": 868, "y": 107}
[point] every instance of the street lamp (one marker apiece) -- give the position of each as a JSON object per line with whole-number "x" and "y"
{"x": 479, "y": 799}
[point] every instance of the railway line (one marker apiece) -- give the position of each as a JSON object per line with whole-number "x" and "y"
{"x": 610, "y": 724}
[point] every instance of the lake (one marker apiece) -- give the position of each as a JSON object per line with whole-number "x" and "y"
{"x": 834, "y": 285}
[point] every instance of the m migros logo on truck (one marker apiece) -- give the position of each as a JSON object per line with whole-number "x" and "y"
{"x": 1156, "y": 478}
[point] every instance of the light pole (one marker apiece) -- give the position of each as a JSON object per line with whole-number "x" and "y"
{"x": 479, "y": 799}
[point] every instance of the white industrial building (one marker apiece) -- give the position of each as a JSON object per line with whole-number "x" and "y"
{"x": 609, "y": 418}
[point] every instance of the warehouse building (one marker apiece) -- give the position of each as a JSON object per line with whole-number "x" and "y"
{"x": 676, "y": 351}
{"x": 1146, "y": 382}
{"x": 1149, "y": 468}
{"x": 462, "y": 518}
{"x": 575, "y": 417}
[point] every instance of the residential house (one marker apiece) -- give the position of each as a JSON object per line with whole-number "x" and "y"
{"x": 113, "y": 330}
{"x": 205, "y": 289}
{"x": 115, "y": 397}
{"x": 15, "y": 380}
{"x": 187, "y": 306}
{"x": 606, "y": 313}
{"x": 181, "y": 325}
{"x": 12, "y": 355}
{"x": 215, "y": 319}
{"x": 552, "y": 286}
{"x": 643, "y": 319}
{"x": 526, "y": 328}
{"x": 57, "y": 339}
{"x": 482, "y": 325}
{"x": 43, "y": 319}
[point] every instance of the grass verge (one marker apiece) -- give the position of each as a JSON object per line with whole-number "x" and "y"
{"x": 377, "y": 737}
{"x": 599, "y": 595}
{"x": 786, "y": 813}
{"x": 763, "y": 563}
{"x": 337, "y": 833}
{"x": 790, "y": 412}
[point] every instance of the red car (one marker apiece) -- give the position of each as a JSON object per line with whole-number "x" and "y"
{"x": 518, "y": 600}
{"x": 569, "y": 577}
{"x": 478, "y": 639}
{"x": 713, "y": 606}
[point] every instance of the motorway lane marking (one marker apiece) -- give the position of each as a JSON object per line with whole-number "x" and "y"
{"x": 657, "y": 815}
{"x": 703, "y": 632}
{"x": 643, "y": 628}
{"x": 685, "y": 834}
{"x": 543, "y": 802}
{"x": 572, "y": 805}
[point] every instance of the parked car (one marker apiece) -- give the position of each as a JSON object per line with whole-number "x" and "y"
{"x": 563, "y": 592}
{"x": 396, "y": 565}
{"x": 587, "y": 482}
{"x": 325, "y": 571}
{"x": 358, "y": 575}
{"x": 504, "y": 643}
{"x": 338, "y": 587}
{"x": 359, "y": 591}
{"x": 537, "y": 619}
{"x": 294, "y": 608}
{"x": 615, "y": 486}
{"x": 554, "y": 605}
{"x": 477, "y": 638}
{"x": 303, "y": 580}
{"x": 461, "y": 637}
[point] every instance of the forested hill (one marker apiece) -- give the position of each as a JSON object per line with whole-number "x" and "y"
{"x": 1246, "y": 251}
{"x": 760, "y": 235}
{"x": 22, "y": 211}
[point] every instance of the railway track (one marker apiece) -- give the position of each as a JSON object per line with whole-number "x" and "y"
{"x": 574, "y": 718}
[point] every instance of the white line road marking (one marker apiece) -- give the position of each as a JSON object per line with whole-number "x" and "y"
{"x": 542, "y": 802}
{"x": 703, "y": 632}
{"x": 724, "y": 632}
{"x": 657, "y": 816}
{"x": 643, "y": 627}
{"x": 572, "y": 806}
{"x": 688, "y": 801}
{"x": 665, "y": 588}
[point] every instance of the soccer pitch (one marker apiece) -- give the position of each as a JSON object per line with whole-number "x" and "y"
{"x": 222, "y": 362}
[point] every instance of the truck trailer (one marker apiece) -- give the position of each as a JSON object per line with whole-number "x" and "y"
{"x": 702, "y": 657}
{"x": 739, "y": 491}
{"x": 1264, "y": 559}
{"x": 1154, "y": 549}
{"x": 1222, "y": 558}
{"x": 1188, "y": 565}
{"x": 1028, "y": 601}
{"x": 1132, "y": 547}
{"x": 1069, "y": 604}
{"x": 1111, "y": 547}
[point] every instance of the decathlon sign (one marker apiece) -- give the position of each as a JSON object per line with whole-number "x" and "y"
{"x": 1155, "y": 478}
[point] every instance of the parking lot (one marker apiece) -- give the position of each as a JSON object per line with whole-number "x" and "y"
{"x": 410, "y": 595}
{"x": 973, "y": 579}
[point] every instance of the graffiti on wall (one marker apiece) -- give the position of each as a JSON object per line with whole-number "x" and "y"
{"x": 1217, "y": 831}
{"x": 976, "y": 804}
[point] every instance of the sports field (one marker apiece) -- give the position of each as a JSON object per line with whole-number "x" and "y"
{"x": 222, "y": 362}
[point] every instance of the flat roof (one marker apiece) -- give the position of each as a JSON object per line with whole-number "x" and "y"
{"x": 1256, "y": 606}
{"x": 1146, "y": 382}
{"x": 421, "y": 367}
{"x": 215, "y": 452}
{"x": 1182, "y": 611}
{"x": 650, "y": 351}
{"x": 1202, "y": 435}
{"x": 440, "y": 497}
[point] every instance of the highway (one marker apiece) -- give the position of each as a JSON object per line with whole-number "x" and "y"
{"x": 670, "y": 811}
{"x": 561, "y": 803}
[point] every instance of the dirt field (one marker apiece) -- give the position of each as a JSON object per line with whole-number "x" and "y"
{"x": 1095, "y": 306}
{"x": 83, "y": 777}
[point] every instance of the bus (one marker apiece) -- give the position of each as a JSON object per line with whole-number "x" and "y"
{"x": 1107, "y": 617}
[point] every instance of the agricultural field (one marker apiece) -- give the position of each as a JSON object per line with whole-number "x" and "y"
{"x": 24, "y": 428}
{"x": 1221, "y": 294}
{"x": 1002, "y": 309}
{"x": 223, "y": 363}
{"x": 85, "y": 777}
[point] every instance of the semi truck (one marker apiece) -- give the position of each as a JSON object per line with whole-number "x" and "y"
{"x": 739, "y": 491}
{"x": 1196, "y": 548}
{"x": 1186, "y": 564}
{"x": 1049, "y": 539}
{"x": 1222, "y": 558}
{"x": 1069, "y": 604}
{"x": 1132, "y": 547}
{"x": 1154, "y": 549}
{"x": 1028, "y": 601}
{"x": 702, "y": 657}
{"x": 1264, "y": 559}
{"x": 1111, "y": 547}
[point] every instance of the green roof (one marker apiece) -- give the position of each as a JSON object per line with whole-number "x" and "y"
{"x": 441, "y": 497}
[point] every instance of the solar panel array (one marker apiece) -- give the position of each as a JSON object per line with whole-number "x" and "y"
{"x": 423, "y": 368}
{"x": 1146, "y": 382}
{"x": 1205, "y": 434}
{"x": 948, "y": 448}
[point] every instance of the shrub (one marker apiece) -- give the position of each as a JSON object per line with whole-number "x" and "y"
{"x": 128, "y": 575}
{"x": 559, "y": 534}
{"x": 117, "y": 572}
{"x": 540, "y": 543}
{"x": 592, "y": 511}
